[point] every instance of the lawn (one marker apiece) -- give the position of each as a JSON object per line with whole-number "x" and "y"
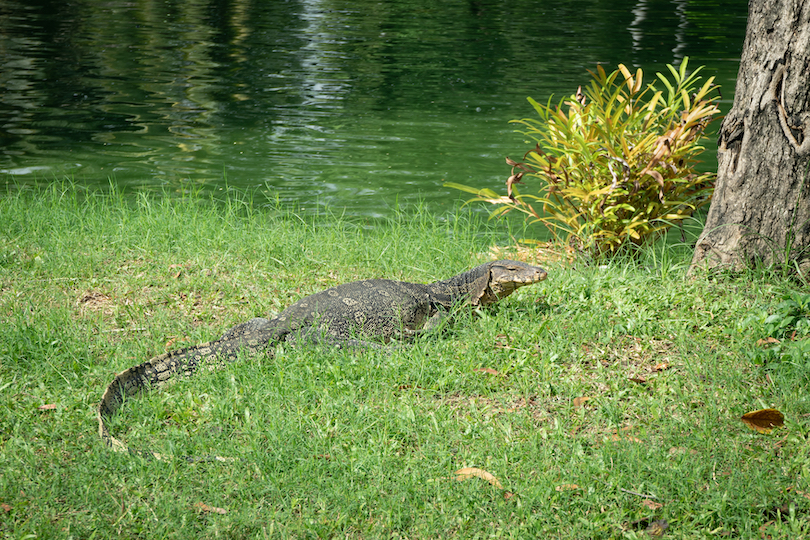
{"x": 604, "y": 402}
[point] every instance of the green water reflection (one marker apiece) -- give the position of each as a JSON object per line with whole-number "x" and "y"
{"x": 362, "y": 104}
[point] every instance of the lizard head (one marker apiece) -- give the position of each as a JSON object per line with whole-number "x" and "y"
{"x": 506, "y": 276}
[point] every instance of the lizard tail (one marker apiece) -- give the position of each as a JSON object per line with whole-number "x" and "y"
{"x": 162, "y": 369}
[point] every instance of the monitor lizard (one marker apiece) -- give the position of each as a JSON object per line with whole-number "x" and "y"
{"x": 363, "y": 313}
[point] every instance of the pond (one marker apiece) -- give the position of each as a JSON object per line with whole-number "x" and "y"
{"x": 360, "y": 106}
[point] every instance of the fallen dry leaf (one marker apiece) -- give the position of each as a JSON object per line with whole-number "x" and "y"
{"x": 502, "y": 341}
{"x": 470, "y": 472}
{"x": 179, "y": 272}
{"x": 660, "y": 367}
{"x": 762, "y": 529}
{"x": 798, "y": 492}
{"x": 639, "y": 379}
{"x": 652, "y": 505}
{"x": 5, "y": 507}
{"x": 623, "y": 435}
{"x": 48, "y": 407}
{"x": 488, "y": 370}
{"x": 173, "y": 342}
{"x": 763, "y": 420}
{"x": 566, "y": 487}
{"x": 581, "y": 401}
{"x": 202, "y": 507}
{"x": 767, "y": 341}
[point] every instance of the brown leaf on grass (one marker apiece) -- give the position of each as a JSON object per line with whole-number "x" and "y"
{"x": 179, "y": 272}
{"x": 623, "y": 435}
{"x": 96, "y": 301}
{"x": 762, "y": 529}
{"x": 630, "y": 438}
{"x": 798, "y": 492}
{"x": 660, "y": 367}
{"x": 638, "y": 380}
{"x": 767, "y": 341}
{"x": 202, "y": 507}
{"x": 48, "y": 407}
{"x": 652, "y": 505}
{"x": 5, "y": 507}
{"x": 502, "y": 341}
{"x": 763, "y": 420}
{"x": 581, "y": 401}
{"x": 487, "y": 370}
{"x": 470, "y": 472}
{"x": 566, "y": 487}
{"x": 174, "y": 342}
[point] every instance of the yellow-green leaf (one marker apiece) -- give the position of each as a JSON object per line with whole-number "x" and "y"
{"x": 474, "y": 472}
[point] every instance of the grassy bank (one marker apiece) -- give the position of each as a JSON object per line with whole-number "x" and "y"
{"x": 365, "y": 445}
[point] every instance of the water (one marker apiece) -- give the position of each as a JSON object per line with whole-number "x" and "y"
{"x": 360, "y": 105}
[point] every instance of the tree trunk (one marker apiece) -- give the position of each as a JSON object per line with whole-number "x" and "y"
{"x": 761, "y": 205}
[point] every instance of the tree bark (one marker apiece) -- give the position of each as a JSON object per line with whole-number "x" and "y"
{"x": 761, "y": 205}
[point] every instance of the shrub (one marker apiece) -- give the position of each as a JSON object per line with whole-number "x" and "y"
{"x": 616, "y": 162}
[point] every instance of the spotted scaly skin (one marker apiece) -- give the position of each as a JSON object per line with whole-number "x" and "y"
{"x": 359, "y": 314}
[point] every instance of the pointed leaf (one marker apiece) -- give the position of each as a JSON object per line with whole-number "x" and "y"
{"x": 665, "y": 82}
{"x": 628, "y": 77}
{"x": 685, "y": 98}
{"x": 684, "y": 63}
{"x": 639, "y": 75}
{"x": 474, "y": 472}
{"x": 462, "y": 187}
{"x": 674, "y": 73}
{"x": 764, "y": 420}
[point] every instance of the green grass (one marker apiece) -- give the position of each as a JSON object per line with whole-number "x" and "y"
{"x": 365, "y": 445}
